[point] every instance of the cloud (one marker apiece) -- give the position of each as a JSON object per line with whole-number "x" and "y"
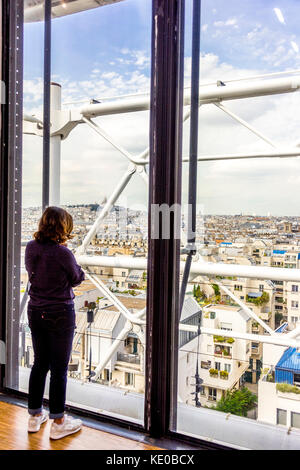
{"x": 91, "y": 168}
{"x": 229, "y": 22}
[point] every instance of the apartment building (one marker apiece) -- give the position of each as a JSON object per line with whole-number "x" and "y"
{"x": 279, "y": 387}
{"x": 222, "y": 359}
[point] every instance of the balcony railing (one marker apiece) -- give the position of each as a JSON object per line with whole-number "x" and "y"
{"x": 130, "y": 358}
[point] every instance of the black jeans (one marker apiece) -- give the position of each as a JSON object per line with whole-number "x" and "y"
{"x": 52, "y": 331}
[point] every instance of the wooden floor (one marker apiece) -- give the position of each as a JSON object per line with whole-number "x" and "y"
{"x": 14, "y": 435}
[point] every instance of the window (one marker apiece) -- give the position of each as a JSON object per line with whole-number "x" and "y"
{"x": 218, "y": 365}
{"x": 205, "y": 364}
{"x": 281, "y": 417}
{"x": 212, "y": 394}
{"x": 226, "y": 326}
{"x": 106, "y": 374}
{"x": 295, "y": 419}
{"x": 297, "y": 379}
{"x": 295, "y": 304}
{"x": 227, "y": 367}
{"x": 129, "y": 379}
{"x": 261, "y": 287}
{"x": 294, "y": 319}
{"x": 294, "y": 288}
{"x": 212, "y": 315}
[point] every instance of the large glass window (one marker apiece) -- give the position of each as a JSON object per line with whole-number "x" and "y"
{"x": 99, "y": 140}
{"x": 246, "y": 239}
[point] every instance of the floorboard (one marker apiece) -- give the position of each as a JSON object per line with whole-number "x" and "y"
{"x": 14, "y": 435}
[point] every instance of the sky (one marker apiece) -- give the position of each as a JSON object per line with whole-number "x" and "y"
{"x": 106, "y": 52}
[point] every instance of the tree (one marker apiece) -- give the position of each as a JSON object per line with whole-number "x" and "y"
{"x": 262, "y": 300}
{"x": 237, "y": 402}
{"x": 278, "y": 318}
{"x": 216, "y": 289}
{"x": 198, "y": 293}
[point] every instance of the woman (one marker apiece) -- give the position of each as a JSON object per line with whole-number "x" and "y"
{"x": 52, "y": 272}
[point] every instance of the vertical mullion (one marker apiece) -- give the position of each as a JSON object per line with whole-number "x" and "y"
{"x": 164, "y": 188}
{"x": 11, "y": 194}
{"x": 46, "y": 120}
{"x": 3, "y": 173}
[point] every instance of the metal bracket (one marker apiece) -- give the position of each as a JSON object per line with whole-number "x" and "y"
{"x": 189, "y": 249}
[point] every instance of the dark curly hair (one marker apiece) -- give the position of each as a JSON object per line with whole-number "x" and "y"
{"x": 56, "y": 225}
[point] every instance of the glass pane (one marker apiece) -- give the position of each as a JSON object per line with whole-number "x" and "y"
{"x": 244, "y": 278}
{"x": 281, "y": 417}
{"x": 295, "y": 420}
{"x": 98, "y": 173}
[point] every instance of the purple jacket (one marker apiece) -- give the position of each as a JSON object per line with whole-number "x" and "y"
{"x": 52, "y": 272}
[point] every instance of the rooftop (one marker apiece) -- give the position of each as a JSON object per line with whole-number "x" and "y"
{"x": 290, "y": 360}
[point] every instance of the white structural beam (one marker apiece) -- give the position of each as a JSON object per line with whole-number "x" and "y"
{"x": 245, "y": 124}
{"x": 280, "y": 153}
{"x": 294, "y": 333}
{"x": 33, "y": 119}
{"x": 244, "y": 307}
{"x": 116, "y": 302}
{"x": 112, "y": 350}
{"x": 109, "y": 204}
{"x": 109, "y": 139}
{"x": 278, "y": 338}
{"x": 55, "y": 148}
{"x": 198, "y": 268}
{"x": 207, "y": 94}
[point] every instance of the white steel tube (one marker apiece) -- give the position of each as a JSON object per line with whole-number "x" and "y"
{"x": 112, "y": 349}
{"x": 109, "y": 139}
{"x": 113, "y": 198}
{"x": 205, "y": 268}
{"x": 55, "y": 149}
{"x": 278, "y": 339}
{"x": 245, "y": 124}
{"x": 245, "y": 308}
{"x": 116, "y": 302}
{"x": 207, "y": 94}
{"x": 281, "y": 153}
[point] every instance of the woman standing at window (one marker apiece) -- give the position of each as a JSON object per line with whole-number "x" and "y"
{"x": 52, "y": 272}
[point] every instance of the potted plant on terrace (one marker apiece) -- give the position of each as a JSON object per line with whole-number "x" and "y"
{"x": 213, "y": 372}
{"x": 224, "y": 374}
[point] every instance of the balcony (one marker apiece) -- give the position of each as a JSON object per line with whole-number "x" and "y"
{"x": 129, "y": 358}
{"x": 223, "y": 351}
{"x": 284, "y": 390}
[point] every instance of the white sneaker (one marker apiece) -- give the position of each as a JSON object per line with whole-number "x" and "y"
{"x": 34, "y": 422}
{"x": 69, "y": 426}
